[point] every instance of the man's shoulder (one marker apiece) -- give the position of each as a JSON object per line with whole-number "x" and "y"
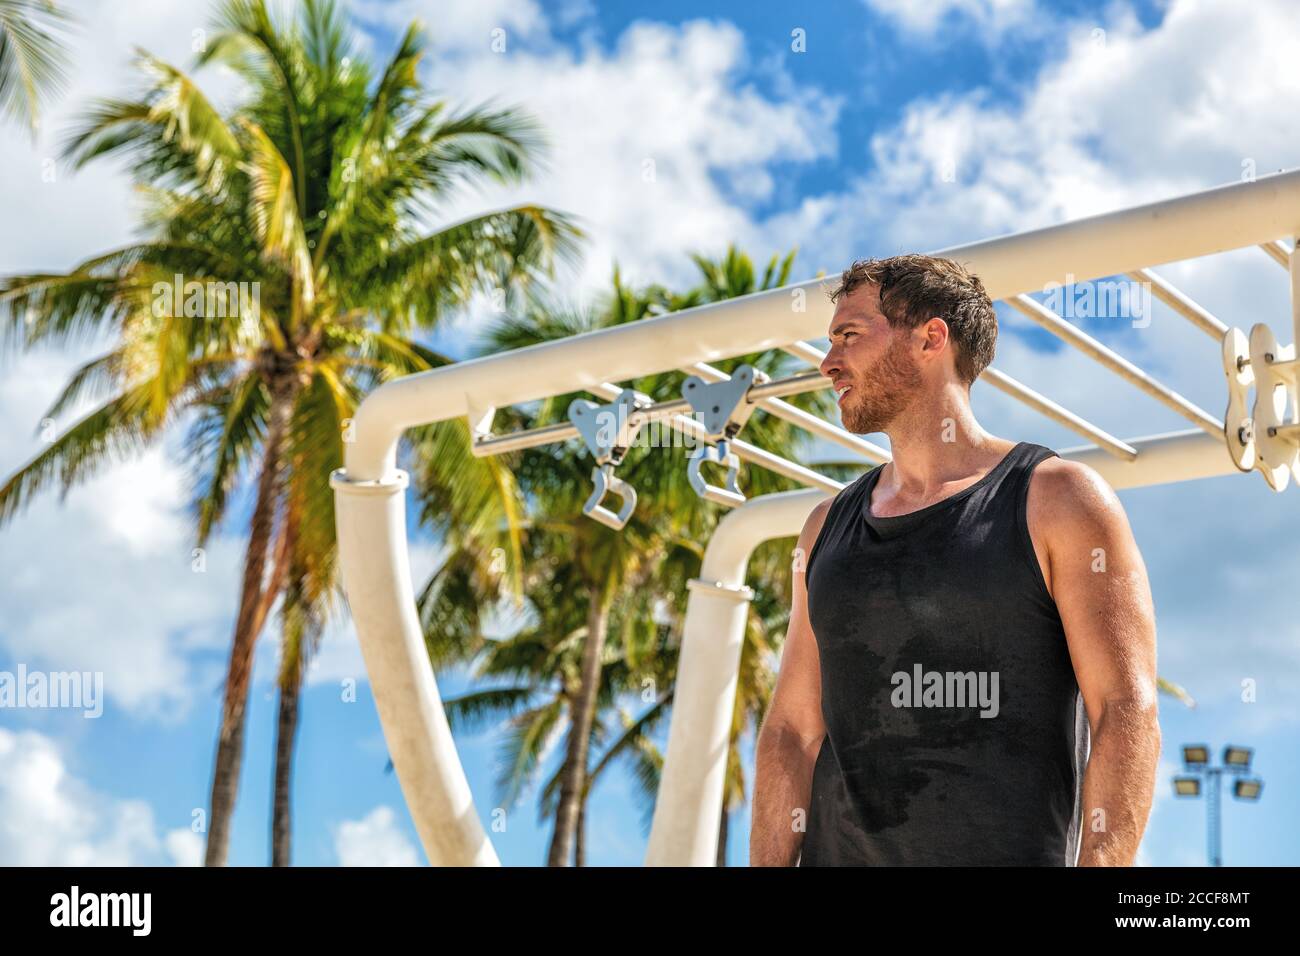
{"x": 1070, "y": 481}
{"x": 821, "y": 511}
{"x": 1067, "y": 497}
{"x": 817, "y": 518}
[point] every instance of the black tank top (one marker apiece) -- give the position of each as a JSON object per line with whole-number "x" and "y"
{"x": 956, "y": 733}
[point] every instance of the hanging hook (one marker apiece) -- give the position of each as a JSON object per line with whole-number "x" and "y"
{"x": 608, "y": 431}
{"x": 729, "y": 495}
{"x": 722, "y": 408}
{"x": 603, "y": 478}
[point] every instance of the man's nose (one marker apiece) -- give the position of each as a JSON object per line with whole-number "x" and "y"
{"x": 830, "y": 364}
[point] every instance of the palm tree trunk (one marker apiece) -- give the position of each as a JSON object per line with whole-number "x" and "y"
{"x": 289, "y": 684}
{"x": 253, "y": 608}
{"x": 722, "y": 837}
{"x": 580, "y": 836}
{"x": 286, "y": 734}
{"x": 574, "y": 772}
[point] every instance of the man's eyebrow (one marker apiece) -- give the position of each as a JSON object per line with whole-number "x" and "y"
{"x": 845, "y": 323}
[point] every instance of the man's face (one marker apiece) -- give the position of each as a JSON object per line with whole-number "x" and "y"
{"x": 872, "y": 359}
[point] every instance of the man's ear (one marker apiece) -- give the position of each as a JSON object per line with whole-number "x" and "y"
{"x": 929, "y": 330}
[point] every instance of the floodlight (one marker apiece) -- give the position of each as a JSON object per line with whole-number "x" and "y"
{"x": 1237, "y": 758}
{"x": 1248, "y": 789}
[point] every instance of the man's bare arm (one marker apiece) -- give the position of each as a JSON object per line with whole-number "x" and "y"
{"x": 792, "y": 730}
{"x": 1102, "y": 593}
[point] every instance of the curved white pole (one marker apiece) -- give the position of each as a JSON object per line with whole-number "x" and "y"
{"x": 371, "y": 521}
{"x": 689, "y": 804}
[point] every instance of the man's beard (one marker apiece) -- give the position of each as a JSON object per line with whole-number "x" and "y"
{"x": 882, "y": 392}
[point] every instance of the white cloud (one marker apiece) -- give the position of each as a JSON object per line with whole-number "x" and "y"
{"x": 924, "y": 18}
{"x": 653, "y": 143}
{"x": 1123, "y": 117}
{"x": 48, "y": 817}
{"x": 470, "y": 25}
{"x": 374, "y": 840}
{"x": 105, "y": 580}
{"x": 1118, "y": 119}
{"x": 72, "y": 577}
{"x": 677, "y": 96}
{"x": 185, "y": 847}
{"x": 82, "y": 213}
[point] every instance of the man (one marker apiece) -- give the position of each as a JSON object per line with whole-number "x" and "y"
{"x": 973, "y": 622}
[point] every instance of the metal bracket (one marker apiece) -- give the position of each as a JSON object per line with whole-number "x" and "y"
{"x": 722, "y": 408}
{"x": 1238, "y": 426}
{"x": 609, "y": 431}
{"x": 1263, "y": 440}
{"x": 731, "y": 592}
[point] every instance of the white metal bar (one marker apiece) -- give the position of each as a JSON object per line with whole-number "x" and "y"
{"x": 1277, "y": 252}
{"x": 1200, "y": 224}
{"x": 486, "y": 443}
{"x": 1089, "y": 346}
{"x": 375, "y": 564}
{"x": 1162, "y": 459}
{"x": 1293, "y": 264}
{"x": 1228, "y": 217}
{"x": 1040, "y": 403}
{"x": 1180, "y": 303}
{"x": 685, "y": 827}
{"x": 808, "y": 353}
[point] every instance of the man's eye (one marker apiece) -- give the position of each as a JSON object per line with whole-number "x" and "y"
{"x": 848, "y": 335}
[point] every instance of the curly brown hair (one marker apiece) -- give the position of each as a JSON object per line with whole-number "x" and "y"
{"x": 917, "y": 288}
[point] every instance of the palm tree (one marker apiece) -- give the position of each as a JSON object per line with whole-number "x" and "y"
{"x": 597, "y": 565}
{"x": 312, "y": 192}
{"x": 608, "y": 571}
{"x": 533, "y": 674}
{"x": 33, "y": 59}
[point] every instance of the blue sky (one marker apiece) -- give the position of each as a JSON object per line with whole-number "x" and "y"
{"x": 1048, "y": 111}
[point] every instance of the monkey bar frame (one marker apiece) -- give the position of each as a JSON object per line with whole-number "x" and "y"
{"x": 370, "y": 489}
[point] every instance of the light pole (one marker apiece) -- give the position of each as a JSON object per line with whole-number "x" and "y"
{"x": 1196, "y": 764}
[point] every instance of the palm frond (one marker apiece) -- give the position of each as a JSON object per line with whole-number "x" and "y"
{"x": 222, "y": 443}
{"x": 274, "y": 210}
{"x": 417, "y": 282}
{"x": 33, "y": 58}
{"x": 470, "y": 712}
{"x": 1175, "y": 691}
{"x": 117, "y": 429}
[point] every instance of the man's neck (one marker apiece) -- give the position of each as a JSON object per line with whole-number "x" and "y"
{"x": 939, "y": 444}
